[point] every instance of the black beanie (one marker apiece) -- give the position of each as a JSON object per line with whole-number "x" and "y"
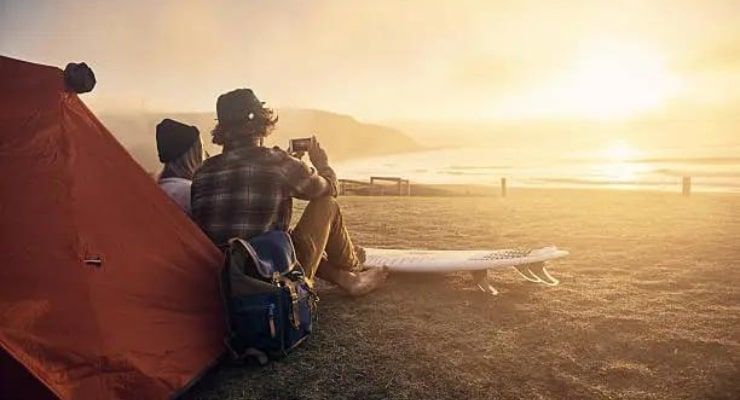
{"x": 174, "y": 139}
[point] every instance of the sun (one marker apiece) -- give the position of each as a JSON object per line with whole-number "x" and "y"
{"x": 619, "y": 152}
{"x": 605, "y": 80}
{"x": 617, "y": 162}
{"x": 613, "y": 80}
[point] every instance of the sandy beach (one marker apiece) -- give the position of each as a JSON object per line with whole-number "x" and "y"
{"x": 648, "y": 307}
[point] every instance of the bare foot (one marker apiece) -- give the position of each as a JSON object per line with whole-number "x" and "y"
{"x": 361, "y": 257}
{"x": 361, "y": 254}
{"x": 367, "y": 281}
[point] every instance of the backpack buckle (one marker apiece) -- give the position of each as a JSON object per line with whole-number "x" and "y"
{"x": 295, "y": 317}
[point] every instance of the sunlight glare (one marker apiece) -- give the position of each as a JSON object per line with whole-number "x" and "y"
{"x": 607, "y": 80}
{"x": 618, "y": 164}
{"x": 620, "y": 171}
{"x": 617, "y": 80}
{"x": 619, "y": 152}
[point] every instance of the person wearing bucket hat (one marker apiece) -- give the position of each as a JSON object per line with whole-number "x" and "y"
{"x": 248, "y": 190}
{"x": 181, "y": 151}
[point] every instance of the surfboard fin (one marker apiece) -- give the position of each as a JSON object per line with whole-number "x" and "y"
{"x": 524, "y": 271}
{"x": 539, "y": 270}
{"x": 536, "y": 273}
{"x": 481, "y": 280}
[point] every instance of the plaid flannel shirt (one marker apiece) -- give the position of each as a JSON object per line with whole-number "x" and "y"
{"x": 248, "y": 191}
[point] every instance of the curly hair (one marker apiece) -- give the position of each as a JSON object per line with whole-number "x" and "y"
{"x": 259, "y": 124}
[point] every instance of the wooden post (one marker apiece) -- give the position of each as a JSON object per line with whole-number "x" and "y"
{"x": 503, "y": 187}
{"x": 686, "y": 190}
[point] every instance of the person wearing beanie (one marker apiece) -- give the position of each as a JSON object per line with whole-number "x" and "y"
{"x": 248, "y": 190}
{"x": 181, "y": 151}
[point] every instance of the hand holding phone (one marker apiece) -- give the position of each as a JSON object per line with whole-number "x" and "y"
{"x": 300, "y": 146}
{"x": 317, "y": 154}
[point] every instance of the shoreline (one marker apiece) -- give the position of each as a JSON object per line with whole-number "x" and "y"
{"x": 482, "y": 190}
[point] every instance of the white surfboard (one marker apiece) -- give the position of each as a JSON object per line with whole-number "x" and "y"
{"x": 529, "y": 263}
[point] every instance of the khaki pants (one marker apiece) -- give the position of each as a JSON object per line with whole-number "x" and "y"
{"x": 321, "y": 231}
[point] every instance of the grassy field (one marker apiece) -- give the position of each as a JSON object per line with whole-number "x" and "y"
{"x": 648, "y": 307}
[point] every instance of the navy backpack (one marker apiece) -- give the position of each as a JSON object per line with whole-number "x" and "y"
{"x": 269, "y": 304}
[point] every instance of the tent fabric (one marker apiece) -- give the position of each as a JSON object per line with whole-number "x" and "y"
{"x": 107, "y": 289}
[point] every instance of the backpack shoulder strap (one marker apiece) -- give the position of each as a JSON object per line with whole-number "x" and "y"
{"x": 225, "y": 286}
{"x": 230, "y": 271}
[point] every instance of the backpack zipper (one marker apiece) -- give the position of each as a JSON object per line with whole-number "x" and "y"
{"x": 271, "y": 320}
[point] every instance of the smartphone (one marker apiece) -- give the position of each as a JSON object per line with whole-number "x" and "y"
{"x": 299, "y": 145}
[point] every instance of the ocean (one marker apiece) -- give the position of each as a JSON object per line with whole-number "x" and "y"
{"x": 712, "y": 169}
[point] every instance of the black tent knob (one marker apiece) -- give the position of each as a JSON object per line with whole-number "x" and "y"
{"x": 79, "y": 77}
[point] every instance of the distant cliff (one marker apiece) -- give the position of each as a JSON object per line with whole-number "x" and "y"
{"x": 343, "y": 136}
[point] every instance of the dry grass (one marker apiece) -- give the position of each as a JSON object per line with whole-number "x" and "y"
{"x": 648, "y": 308}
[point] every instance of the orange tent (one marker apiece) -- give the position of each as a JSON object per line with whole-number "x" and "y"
{"x": 107, "y": 290}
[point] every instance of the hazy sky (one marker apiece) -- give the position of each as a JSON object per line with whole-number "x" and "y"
{"x": 423, "y": 59}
